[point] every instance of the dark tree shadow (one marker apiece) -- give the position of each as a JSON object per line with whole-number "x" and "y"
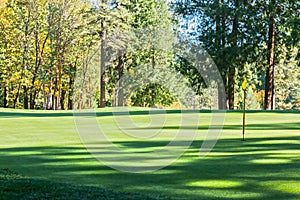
{"x": 19, "y": 114}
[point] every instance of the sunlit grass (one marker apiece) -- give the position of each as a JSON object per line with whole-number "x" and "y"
{"x": 291, "y": 186}
{"x": 271, "y": 161}
{"x": 216, "y": 184}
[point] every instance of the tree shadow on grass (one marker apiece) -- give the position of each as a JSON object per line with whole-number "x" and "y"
{"x": 256, "y": 169}
{"x": 79, "y": 113}
{"x": 281, "y": 126}
{"x": 20, "y": 114}
{"x": 16, "y": 114}
{"x": 16, "y": 186}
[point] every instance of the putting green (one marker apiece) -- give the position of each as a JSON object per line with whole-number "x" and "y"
{"x": 45, "y": 146}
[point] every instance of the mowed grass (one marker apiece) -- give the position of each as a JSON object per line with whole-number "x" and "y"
{"x": 41, "y": 151}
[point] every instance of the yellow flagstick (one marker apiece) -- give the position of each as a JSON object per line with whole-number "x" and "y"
{"x": 244, "y": 87}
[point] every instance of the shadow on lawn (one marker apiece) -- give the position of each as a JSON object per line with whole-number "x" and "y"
{"x": 281, "y": 126}
{"x": 256, "y": 169}
{"x": 15, "y": 186}
{"x": 7, "y": 114}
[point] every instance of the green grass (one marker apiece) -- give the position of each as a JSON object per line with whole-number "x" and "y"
{"x": 15, "y": 186}
{"x": 46, "y": 158}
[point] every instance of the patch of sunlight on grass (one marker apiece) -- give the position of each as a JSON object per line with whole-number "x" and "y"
{"x": 279, "y": 142}
{"x": 270, "y": 161}
{"x": 139, "y": 149}
{"x": 165, "y": 171}
{"x": 291, "y": 156}
{"x": 221, "y": 153}
{"x": 274, "y": 153}
{"x": 215, "y": 184}
{"x": 89, "y": 172}
{"x": 23, "y": 153}
{"x": 292, "y": 187}
{"x": 230, "y": 194}
{"x": 251, "y": 174}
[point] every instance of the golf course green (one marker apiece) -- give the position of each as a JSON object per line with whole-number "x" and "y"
{"x": 42, "y": 157}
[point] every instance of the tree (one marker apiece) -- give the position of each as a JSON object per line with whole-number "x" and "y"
{"x": 40, "y": 41}
{"x": 236, "y": 33}
{"x": 219, "y": 27}
{"x": 136, "y": 31}
{"x": 17, "y": 33}
{"x": 275, "y": 28}
{"x": 287, "y": 81}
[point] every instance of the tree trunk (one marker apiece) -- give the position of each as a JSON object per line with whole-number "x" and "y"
{"x": 5, "y": 97}
{"x": 102, "y": 68}
{"x": 54, "y": 98}
{"x": 269, "y": 87}
{"x": 221, "y": 97}
{"x": 16, "y": 100}
{"x": 38, "y": 62}
{"x": 53, "y": 102}
{"x": 50, "y": 99}
{"x": 24, "y": 68}
{"x": 31, "y": 101}
{"x": 223, "y": 26}
{"x": 220, "y": 45}
{"x": 44, "y": 97}
{"x": 55, "y": 95}
{"x": 231, "y": 84}
{"x": 62, "y": 100}
{"x": 234, "y": 45}
{"x": 59, "y": 84}
{"x": 121, "y": 71}
{"x": 32, "y": 98}
{"x": 33, "y": 92}
{"x": 24, "y": 58}
{"x": 218, "y": 24}
{"x": 26, "y": 100}
{"x": 70, "y": 95}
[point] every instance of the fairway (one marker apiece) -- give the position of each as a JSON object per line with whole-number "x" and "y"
{"x": 45, "y": 146}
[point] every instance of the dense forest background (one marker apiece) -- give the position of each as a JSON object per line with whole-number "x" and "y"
{"x": 44, "y": 43}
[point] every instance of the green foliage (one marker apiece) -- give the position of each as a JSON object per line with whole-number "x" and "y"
{"x": 287, "y": 82}
{"x": 237, "y": 36}
{"x": 42, "y": 47}
{"x": 149, "y": 40}
{"x": 43, "y": 44}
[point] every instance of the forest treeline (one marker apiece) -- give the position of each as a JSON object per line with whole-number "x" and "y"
{"x": 44, "y": 43}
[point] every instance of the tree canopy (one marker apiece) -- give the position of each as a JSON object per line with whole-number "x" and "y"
{"x": 44, "y": 44}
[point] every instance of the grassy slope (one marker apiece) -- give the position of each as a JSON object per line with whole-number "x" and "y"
{"x": 44, "y": 146}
